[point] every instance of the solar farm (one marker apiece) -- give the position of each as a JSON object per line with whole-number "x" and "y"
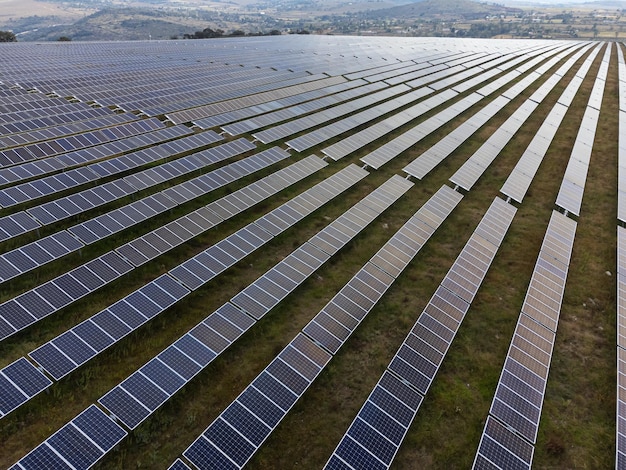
{"x": 313, "y": 252}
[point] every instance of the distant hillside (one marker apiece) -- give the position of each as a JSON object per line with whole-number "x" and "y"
{"x": 444, "y": 9}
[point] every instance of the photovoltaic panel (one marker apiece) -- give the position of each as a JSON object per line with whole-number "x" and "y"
{"x": 501, "y": 448}
{"x": 225, "y": 436}
{"x": 77, "y": 445}
{"x": 20, "y": 381}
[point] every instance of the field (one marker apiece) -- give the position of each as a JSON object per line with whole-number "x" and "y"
{"x": 577, "y": 427}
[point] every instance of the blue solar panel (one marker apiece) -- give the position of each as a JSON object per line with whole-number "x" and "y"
{"x": 275, "y": 391}
{"x": 99, "y": 428}
{"x": 53, "y": 360}
{"x": 261, "y": 406}
{"x": 163, "y": 376}
{"x": 206, "y": 456}
{"x": 179, "y": 362}
{"x": 43, "y": 457}
{"x": 23, "y": 374}
{"x": 128, "y": 410}
{"x": 91, "y": 334}
{"x": 144, "y": 390}
{"x": 10, "y": 396}
{"x": 229, "y": 441}
{"x": 246, "y": 423}
{"x": 357, "y": 456}
{"x": 74, "y": 447}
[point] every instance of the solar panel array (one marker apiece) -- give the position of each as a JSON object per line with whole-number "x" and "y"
{"x": 31, "y": 306}
{"x": 114, "y": 172}
{"x": 55, "y": 246}
{"x": 428, "y": 160}
{"x": 390, "y": 150}
{"x": 518, "y": 182}
{"x": 148, "y": 388}
{"x": 376, "y": 433}
{"x": 73, "y": 348}
{"x": 232, "y": 439}
{"x": 520, "y": 392}
{"x": 470, "y": 171}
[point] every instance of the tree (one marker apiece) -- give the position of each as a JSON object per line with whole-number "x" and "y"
{"x": 7, "y": 36}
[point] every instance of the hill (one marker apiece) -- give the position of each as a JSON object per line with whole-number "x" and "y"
{"x": 444, "y": 9}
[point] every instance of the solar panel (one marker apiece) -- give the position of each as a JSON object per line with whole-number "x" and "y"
{"x": 501, "y": 448}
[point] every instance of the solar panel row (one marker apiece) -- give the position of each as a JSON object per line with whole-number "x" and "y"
{"x": 375, "y": 435}
{"x": 620, "y": 451}
{"x": 571, "y": 192}
{"x": 621, "y": 157}
{"x": 77, "y": 445}
{"x": 232, "y": 439}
